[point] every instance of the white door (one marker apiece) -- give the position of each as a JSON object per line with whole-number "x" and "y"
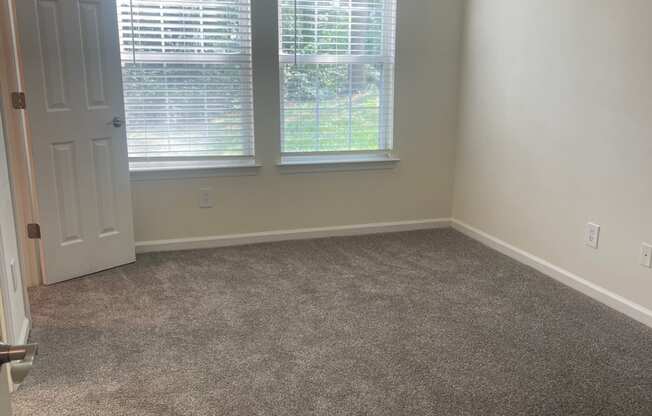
{"x": 11, "y": 280}
{"x": 74, "y": 91}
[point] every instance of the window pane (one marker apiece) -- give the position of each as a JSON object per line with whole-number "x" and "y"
{"x": 333, "y": 27}
{"x": 187, "y": 77}
{"x": 332, "y": 107}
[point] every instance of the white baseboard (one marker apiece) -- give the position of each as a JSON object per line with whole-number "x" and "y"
{"x": 617, "y": 302}
{"x": 288, "y": 235}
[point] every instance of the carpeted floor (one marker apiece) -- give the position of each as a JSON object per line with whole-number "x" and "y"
{"x": 421, "y": 323}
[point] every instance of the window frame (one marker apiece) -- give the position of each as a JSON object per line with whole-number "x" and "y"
{"x": 385, "y": 156}
{"x": 198, "y": 166}
{"x": 268, "y": 123}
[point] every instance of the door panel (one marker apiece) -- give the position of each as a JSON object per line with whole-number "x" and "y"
{"x": 64, "y": 162}
{"x": 90, "y": 16}
{"x": 74, "y": 88}
{"x": 51, "y": 51}
{"x": 105, "y": 186}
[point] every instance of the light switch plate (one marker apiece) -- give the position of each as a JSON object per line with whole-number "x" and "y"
{"x": 646, "y": 255}
{"x": 592, "y": 235}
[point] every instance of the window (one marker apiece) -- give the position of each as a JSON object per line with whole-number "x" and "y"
{"x": 337, "y": 76}
{"x": 187, "y": 76}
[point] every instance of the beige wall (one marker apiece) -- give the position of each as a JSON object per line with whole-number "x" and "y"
{"x": 556, "y": 131}
{"x": 420, "y": 187}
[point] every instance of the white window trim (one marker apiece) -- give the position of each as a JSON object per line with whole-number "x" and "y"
{"x": 184, "y": 169}
{"x": 294, "y": 163}
{"x": 179, "y": 167}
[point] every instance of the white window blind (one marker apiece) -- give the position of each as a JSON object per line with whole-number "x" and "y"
{"x": 187, "y": 76}
{"x": 337, "y": 75}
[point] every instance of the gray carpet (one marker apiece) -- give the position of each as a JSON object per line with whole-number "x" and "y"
{"x": 421, "y": 323}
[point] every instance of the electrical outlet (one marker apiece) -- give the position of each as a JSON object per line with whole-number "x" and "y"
{"x": 646, "y": 255}
{"x": 206, "y": 198}
{"x": 592, "y": 235}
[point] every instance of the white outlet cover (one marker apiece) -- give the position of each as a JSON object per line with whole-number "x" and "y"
{"x": 646, "y": 255}
{"x": 592, "y": 235}
{"x": 206, "y": 198}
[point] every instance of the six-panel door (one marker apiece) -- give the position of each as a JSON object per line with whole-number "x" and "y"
{"x": 74, "y": 90}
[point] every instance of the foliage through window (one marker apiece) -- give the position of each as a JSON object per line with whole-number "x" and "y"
{"x": 337, "y": 75}
{"x": 187, "y": 76}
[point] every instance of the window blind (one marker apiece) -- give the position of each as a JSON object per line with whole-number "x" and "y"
{"x": 337, "y": 68}
{"x": 187, "y": 77}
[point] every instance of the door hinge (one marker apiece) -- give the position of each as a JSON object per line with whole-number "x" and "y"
{"x": 34, "y": 231}
{"x": 18, "y": 100}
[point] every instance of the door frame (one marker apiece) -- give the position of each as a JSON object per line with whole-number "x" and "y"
{"x": 6, "y": 312}
{"x": 19, "y": 148}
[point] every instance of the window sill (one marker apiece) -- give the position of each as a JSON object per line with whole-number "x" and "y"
{"x": 335, "y": 163}
{"x": 149, "y": 171}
